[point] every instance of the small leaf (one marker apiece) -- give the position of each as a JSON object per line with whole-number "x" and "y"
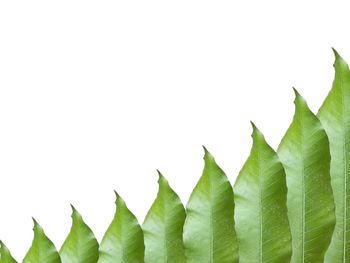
{"x": 81, "y": 245}
{"x": 123, "y": 241}
{"x": 5, "y": 255}
{"x": 42, "y": 249}
{"x": 304, "y": 152}
{"x": 260, "y": 206}
{"x": 334, "y": 115}
{"x": 163, "y": 227}
{"x": 209, "y": 234}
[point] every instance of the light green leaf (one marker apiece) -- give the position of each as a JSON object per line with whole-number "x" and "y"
{"x": 304, "y": 152}
{"x": 5, "y": 255}
{"x": 334, "y": 115}
{"x": 209, "y": 235}
{"x": 81, "y": 245}
{"x": 163, "y": 227}
{"x": 260, "y": 207}
{"x": 42, "y": 249}
{"x": 123, "y": 241}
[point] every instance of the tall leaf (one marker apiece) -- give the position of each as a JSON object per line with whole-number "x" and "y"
{"x": 304, "y": 152}
{"x": 80, "y": 245}
{"x": 260, "y": 206}
{"x": 163, "y": 227}
{"x": 5, "y": 255}
{"x": 334, "y": 115}
{"x": 209, "y": 235}
{"x": 42, "y": 249}
{"x": 123, "y": 241}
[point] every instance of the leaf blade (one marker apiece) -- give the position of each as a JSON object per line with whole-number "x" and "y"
{"x": 5, "y": 254}
{"x": 209, "y": 234}
{"x": 163, "y": 227}
{"x": 42, "y": 249}
{"x": 304, "y": 152}
{"x": 123, "y": 241}
{"x": 334, "y": 115}
{"x": 80, "y": 244}
{"x": 261, "y": 218}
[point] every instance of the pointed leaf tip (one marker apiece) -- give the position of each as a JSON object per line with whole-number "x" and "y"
{"x": 73, "y": 208}
{"x": 253, "y": 125}
{"x": 296, "y": 93}
{"x": 118, "y": 199}
{"x": 36, "y": 224}
{"x": 161, "y": 179}
{"x": 257, "y": 134}
{"x": 160, "y": 175}
{"x": 336, "y": 54}
{"x": 207, "y": 154}
{"x": 255, "y": 129}
{"x": 339, "y": 61}
{"x": 205, "y": 149}
{"x": 75, "y": 213}
{"x": 299, "y": 100}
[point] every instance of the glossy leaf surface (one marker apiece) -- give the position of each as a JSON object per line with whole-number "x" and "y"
{"x": 5, "y": 255}
{"x": 209, "y": 235}
{"x": 42, "y": 249}
{"x": 304, "y": 152}
{"x": 334, "y": 115}
{"x": 80, "y": 245}
{"x": 163, "y": 227}
{"x": 123, "y": 241}
{"x": 260, "y": 207}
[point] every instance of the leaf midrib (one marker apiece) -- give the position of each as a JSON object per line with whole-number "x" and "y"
{"x": 345, "y": 171}
{"x": 165, "y": 244}
{"x": 300, "y": 116}
{"x": 211, "y": 245}
{"x": 260, "y": 208}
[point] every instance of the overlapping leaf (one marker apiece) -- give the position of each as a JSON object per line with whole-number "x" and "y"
{"x": 42, "y": 249}
{"x": 80, "y": 245}
{"x": 335, "y": 118}
{"x": 123, "y": 241}
{"x": 260, "y": 207}
{"x": 163, "y": 227}
{"x": 304, "y": 152}
{"x": 5, "y": 255}
{"x": 263, "y": 204}
{"x": 209, "y": 235}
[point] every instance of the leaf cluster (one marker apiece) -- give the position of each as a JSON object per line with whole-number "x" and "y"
{"x": 288, "y": 205}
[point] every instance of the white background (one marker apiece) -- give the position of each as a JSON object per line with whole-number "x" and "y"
{"x": 96, "y": 95}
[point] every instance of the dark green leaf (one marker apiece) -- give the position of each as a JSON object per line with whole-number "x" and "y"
{"x": 163, "y": 227}
{"x": 5, "y": 255}
{"x": 260, "y": 207}
{"x": 304, "y": 152}
{"x": 335, "y": 118}
{"x": 42, "y": 249}
{"x": 209, "y": 235}
{"x": 123, "y": 241}
{"x": 81, "y": 245}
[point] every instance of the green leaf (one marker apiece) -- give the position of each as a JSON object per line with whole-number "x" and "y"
{"x": 163, "y": 227}
{"x": 260, "y": 206}
{"x": 334, "y": 115}
{"x": 81, "y": 245}
{"x": 209, "y": 234}
{"x": 123, "y": 241}
{"x": 42, "y": 249}
{"x": 5, "y": 255}
{"x": 304, "y": 152}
